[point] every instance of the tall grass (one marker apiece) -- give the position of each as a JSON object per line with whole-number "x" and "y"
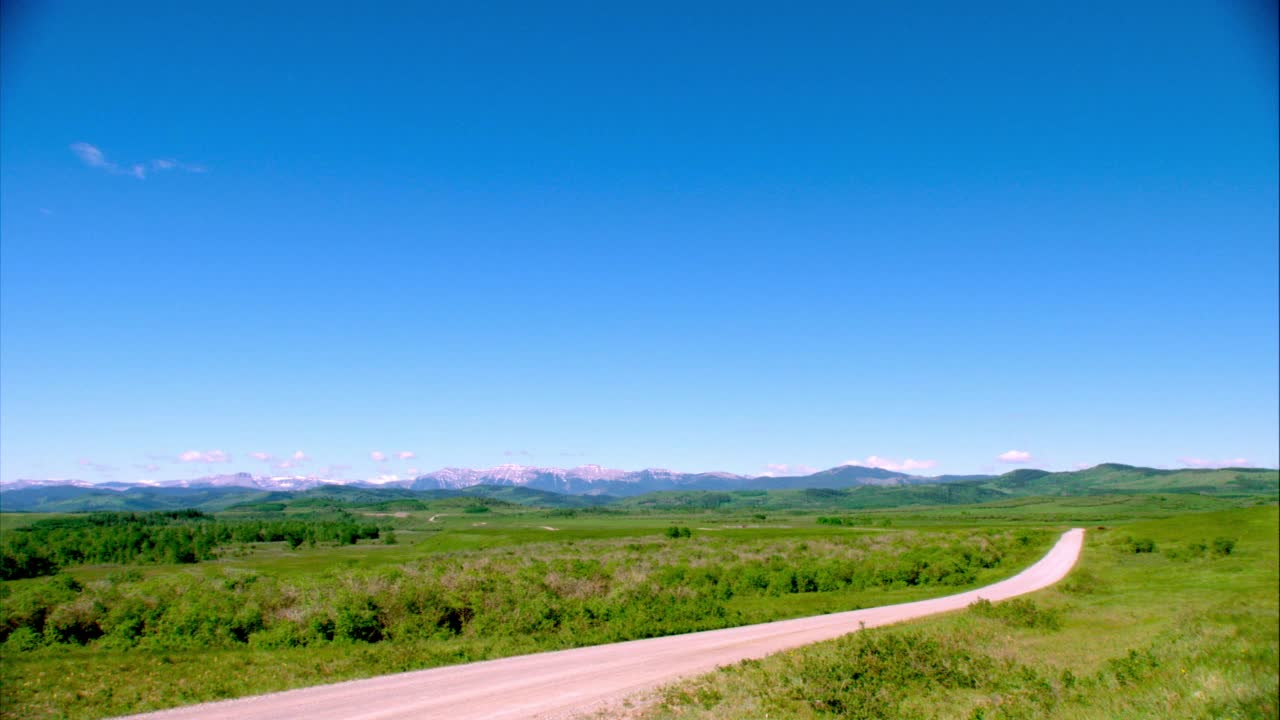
{"x": 184, "y": 635}
{"x": 1190, "y": 633}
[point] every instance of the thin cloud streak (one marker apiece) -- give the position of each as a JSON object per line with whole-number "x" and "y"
{"x": 96, "y": 467}
{"x": 209, "y": 456}
{"x": 93, "y": 156}
{"x": 297, "y": 458}
{"x": 788, "y": 470}
{"x": 883, "y": 463}
{"x": 1196, "y": 462}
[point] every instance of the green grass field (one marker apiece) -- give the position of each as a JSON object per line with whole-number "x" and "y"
{"x": 454, "y": 588}
{"x": 1179, "y": 632}
{"x": 521, "y": 580}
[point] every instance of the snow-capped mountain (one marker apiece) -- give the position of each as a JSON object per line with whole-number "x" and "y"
{"x": 579, "y": 480}
{"x": 52, "y": 482}
{"x": 582, "y": 480}
{"x": 242, "y": 479}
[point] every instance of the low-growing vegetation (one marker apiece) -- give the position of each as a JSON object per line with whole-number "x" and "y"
{"x": 1130, "y": 634}
{"x": 455, "y": 606}
{"x": 1019, "y": 612}
{"x": 301, "y": 592}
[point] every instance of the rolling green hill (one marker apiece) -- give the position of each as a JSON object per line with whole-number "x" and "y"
{"x": 1115, "y": 478}
{"x": 68, "y": 498}
{"x": 1106, "y": 479}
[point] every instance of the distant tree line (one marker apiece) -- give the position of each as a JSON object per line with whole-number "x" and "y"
{"x": 853, "y": 520}
{"x": 182, "y": 536}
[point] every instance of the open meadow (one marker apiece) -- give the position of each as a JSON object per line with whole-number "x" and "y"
{"x": 342, "y": 341}
{"x": 294, "y": 594}
{"x": 1174, "y": 617}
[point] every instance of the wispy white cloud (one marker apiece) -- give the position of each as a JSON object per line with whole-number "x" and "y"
{"x": 787, "y": 469}
{"x": 297, "y": 458}
{"x": 147, "y": 467}
{"x": 1196, "y": 462}
{"x": 884, "y": 463}
{"x": 1016, "y": 457}
{"x": 910, "y": 464}
{"x": 384, "y": 478}
{"x": 96, "y": 467}
{"x": 406, "y": 455}
{"x": 92, "y": 156}
{"x": 516, "y": 453}
{"x": 207, "y": 456}
{"x": 378, "y": 456}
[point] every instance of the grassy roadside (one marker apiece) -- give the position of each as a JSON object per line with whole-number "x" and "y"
{"x": 162, "y": 641}
{"x": 1185, "y": 630}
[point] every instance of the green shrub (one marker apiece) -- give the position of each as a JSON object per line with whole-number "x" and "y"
{"x": 356, "y": 618}
{"x": 1141, "y": 545}
{"x": 24, "y": 639}
{"x": 1222, "y": 546}
{"x": 280, "y": 635}
{"x": 75, "y": 623}
{"x": 1019, "y": 612}
{"x": 1132, "y": 668}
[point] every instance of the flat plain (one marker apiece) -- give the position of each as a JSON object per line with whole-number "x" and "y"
{"x": 457, "y": 580}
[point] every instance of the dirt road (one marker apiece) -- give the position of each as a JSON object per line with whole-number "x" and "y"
{"x": 568, "y": 682}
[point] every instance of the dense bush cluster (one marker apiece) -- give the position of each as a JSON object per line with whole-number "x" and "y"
{"x": 590, "y": 592}
{"x": 1141, "y": 545}
{"x": 184, "y": 536}
{"x": 1019, "y": 612}
{"x": 1220, "y": 547}
{"x": 1197, "y": 549}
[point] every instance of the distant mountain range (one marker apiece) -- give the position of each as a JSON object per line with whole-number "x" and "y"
{"x": 590, "y": 485}
{"x": 582, "y": 480}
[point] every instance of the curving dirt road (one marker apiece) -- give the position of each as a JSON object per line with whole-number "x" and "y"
{"x": 569, "y": 682}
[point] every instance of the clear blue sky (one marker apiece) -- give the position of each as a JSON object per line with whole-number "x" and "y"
{"x": 696, "y": 236}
